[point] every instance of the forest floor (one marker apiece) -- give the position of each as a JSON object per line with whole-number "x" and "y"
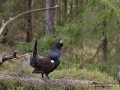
{"x": 19, "y": 70}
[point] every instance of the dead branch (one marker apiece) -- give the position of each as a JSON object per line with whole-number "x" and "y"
{"x": 5, "y": 57}
{"x": 55, "y": 83}
{"x": 13, "y": 18}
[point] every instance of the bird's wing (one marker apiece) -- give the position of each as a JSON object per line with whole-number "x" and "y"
{"x": 45, "y": 65}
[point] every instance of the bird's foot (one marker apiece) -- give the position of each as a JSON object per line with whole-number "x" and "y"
{"x": 50, "y": 80}
{"x": 43, "y": 79}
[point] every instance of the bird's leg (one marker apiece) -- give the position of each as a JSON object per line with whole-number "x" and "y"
{"x": 43, "y": 76}
{"x": 47, "y": 76}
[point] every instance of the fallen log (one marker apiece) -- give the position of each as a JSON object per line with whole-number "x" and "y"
{"x": 54, "y": 83}
{"x": 8, "y": 57}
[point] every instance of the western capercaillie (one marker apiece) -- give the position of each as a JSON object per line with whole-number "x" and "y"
{"x": 46, "y": 65}
{"x": 55, "y": 53}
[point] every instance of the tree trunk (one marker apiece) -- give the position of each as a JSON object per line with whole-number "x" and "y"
{"x": 71, "y": 7}
{"x": 77, "y": 4}
{"x": 66, "y": 6}
{"x": 105, "y": 46}
{"x": 105, "y": 42}
{"x": 66, "y": 10}
{"x": 50, "y": 17}
{"x": 29, "y": 36}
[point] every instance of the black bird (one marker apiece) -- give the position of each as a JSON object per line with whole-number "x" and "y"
{"x": 46, "y": 65}
{"x": 55, "y": 54}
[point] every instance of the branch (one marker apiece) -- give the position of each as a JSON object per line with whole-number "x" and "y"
{"x": 11, "y": 19}
{"x": 5, "y": 57}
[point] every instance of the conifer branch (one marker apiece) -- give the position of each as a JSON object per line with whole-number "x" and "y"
{"x": 13, "y": 18}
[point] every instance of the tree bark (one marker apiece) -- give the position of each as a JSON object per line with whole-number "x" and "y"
{"x": 50, "y": 17}
{"x": 29, "y": 35}
{"x": 105, "y": 41}
{"x": 66, "y": 6}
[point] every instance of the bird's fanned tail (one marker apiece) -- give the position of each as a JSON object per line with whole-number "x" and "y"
{"x": 35, "y": 49}
{"x": 33, "y": 61}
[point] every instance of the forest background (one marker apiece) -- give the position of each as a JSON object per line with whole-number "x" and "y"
{"x": 89, "y": 30}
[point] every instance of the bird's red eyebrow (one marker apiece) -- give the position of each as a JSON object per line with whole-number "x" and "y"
{"x": 57, "y": 43}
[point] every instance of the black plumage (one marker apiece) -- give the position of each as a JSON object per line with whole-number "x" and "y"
{"x": 55, "y": 54}
{"x": 46, "y": 65}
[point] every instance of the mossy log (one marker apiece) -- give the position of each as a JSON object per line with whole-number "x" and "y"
{"x": 54, "y": 83}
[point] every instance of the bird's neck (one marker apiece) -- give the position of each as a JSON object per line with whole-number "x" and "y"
{"x": 57, "y": 61}
{"x": 55, "y": 48}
